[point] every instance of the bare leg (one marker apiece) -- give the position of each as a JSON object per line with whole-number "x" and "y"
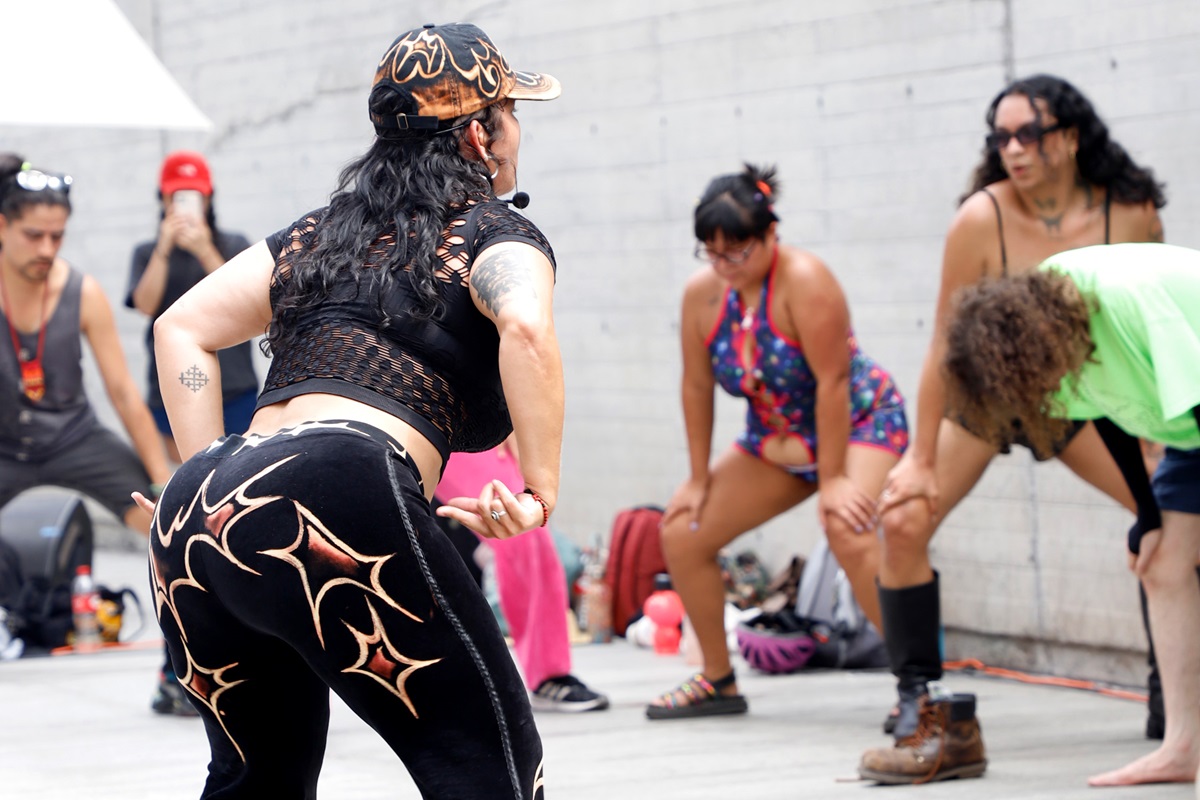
{"x": 743, "y": 493}
{"x": 1174, "y": 598}
{"x": 961, "y": 460}
{"x": 1088, "y": 458}
{"x": 858, "y": 553}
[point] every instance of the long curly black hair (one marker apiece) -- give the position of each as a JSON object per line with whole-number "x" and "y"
{"x": 1101, "y": 160}
{"x": 408, "y": 185}
{"x": 1010, "y": 344}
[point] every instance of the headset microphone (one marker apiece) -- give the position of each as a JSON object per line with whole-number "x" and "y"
{"x": 519, "y": 199}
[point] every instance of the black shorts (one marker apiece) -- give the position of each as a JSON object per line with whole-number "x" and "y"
{"x": 1177, "y": 481}
{"x": 1018, "y": 438}
{"x": 101, "y": 465}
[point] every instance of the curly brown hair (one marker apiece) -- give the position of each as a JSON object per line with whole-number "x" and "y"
{"x": 1010, "y": 343}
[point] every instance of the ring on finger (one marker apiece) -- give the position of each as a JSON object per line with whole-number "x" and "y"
{"x": 496, "y": 515}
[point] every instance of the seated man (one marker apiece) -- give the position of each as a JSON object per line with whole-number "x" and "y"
{"x": 49, "y": 434}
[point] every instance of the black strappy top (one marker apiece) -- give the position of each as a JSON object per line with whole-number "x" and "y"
{"x": 1000, "y": 226}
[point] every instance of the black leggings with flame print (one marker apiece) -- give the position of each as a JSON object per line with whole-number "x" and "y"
{"x": 287, "y": 565}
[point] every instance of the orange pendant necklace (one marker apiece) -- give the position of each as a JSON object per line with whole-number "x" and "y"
{"x": 33, "y": 376}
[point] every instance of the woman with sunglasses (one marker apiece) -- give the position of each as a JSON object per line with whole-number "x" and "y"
{"x": 769, "y": 323}
{"x": 1051, "y": 179}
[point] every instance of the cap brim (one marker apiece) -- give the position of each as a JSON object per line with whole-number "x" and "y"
{"x": 170, "y": 187}
{"x": 535, "y": 86}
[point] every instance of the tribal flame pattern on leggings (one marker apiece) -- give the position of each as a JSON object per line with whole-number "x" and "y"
{"x": 286, "y": 565}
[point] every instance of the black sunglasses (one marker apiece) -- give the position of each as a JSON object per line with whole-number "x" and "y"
{"x": 1026, "y": 135}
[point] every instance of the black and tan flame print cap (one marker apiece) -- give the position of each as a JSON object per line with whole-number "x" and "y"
{"x": 446, "y": 71}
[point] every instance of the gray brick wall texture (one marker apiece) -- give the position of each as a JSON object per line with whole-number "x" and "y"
{"x": 873, "y": 111}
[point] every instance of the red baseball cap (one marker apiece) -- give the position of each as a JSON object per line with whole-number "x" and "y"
{"x": 185, "y": 169}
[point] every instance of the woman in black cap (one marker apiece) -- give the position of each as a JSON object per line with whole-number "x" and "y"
{"x": 409, "y": 318}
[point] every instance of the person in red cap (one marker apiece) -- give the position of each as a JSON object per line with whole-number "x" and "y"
{"x": 409, "y": 318}
{"x": 189, "y": 246}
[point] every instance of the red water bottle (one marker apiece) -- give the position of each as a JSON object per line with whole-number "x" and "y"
{"x": 665, "y": 609}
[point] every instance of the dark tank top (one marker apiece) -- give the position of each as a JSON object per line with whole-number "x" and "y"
{"x": 1000, "y": 226}
{"x": 32, "y": 431}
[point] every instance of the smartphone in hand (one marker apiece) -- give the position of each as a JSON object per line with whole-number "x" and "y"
{"x": 188, "y": 203}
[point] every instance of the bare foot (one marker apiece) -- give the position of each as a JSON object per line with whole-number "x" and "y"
{"x": 1161, "y": 766}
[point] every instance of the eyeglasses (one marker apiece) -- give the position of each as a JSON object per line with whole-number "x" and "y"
{"x": 34, "y": 180}
{"x": 711, "y": 256}
{"x": 1026, "y": 135}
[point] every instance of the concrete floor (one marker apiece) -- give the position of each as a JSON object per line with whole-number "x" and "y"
{"x": 80, "y": 726}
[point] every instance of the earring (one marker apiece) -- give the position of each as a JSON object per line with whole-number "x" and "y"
{"x": 496, "y": 171}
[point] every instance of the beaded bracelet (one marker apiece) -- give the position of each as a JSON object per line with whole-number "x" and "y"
{"x": 538, "y": 497}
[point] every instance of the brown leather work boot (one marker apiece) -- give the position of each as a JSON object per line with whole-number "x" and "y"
{"x": 947, "y": 744}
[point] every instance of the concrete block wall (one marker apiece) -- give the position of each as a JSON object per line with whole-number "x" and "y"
{"x": 873, "y": 112}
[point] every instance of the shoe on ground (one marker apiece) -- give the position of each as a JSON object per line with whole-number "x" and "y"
{"x": 566, "y": 693}
{"x": 170, "y": 699}
{"x": 946, "y": 744}
{"x": 698, "y": 697}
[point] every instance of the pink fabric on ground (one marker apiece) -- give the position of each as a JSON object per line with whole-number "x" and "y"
{"x": 529, "y": 575}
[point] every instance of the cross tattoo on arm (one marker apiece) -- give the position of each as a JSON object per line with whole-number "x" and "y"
{"x": 194, "y": 378}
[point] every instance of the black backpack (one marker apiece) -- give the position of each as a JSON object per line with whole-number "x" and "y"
{"x": 11, "y": 579}
{"x": 845, "y": 638}
{"x": 44, "y": 536}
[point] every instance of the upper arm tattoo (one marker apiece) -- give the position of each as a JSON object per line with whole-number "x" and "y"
{"x": 193, "y": 378}
{"x": 499, "y": 275}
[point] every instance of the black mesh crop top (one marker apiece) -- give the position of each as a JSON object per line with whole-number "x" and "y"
{"x": 441, "y": 376}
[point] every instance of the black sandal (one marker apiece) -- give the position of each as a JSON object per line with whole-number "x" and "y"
{"x": 703, "y": 699}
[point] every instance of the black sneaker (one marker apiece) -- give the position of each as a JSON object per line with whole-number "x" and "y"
{"x": 566, "y": 693}
{"x": 171, "y": 699}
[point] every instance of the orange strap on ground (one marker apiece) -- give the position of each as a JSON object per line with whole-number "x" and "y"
{"x": 1044, "y": 680}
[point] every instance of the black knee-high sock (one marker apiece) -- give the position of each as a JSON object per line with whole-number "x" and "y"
{"x": 911, "y": 626}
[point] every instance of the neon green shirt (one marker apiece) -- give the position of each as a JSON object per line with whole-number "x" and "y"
{"x": 1145, "y": 373}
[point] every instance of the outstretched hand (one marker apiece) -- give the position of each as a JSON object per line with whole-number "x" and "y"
{"x": 496, "y": 514}
{"x": 143, "y": 502}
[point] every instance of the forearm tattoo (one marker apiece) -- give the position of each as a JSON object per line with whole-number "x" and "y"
{"x": 193, "y": 378}
{"x": 499, "y": 275}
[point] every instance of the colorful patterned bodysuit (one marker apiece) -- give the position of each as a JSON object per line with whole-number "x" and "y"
{"x": 773, "y": 375}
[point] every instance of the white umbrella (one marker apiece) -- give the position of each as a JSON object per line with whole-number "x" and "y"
{"x": 80, "y": 63}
